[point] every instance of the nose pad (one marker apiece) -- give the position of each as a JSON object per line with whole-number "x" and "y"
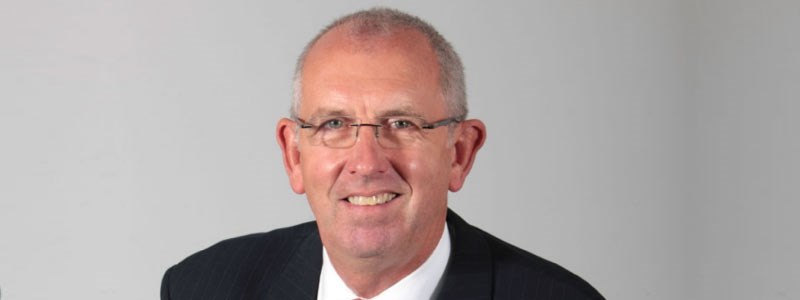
{"x": 375, "y": 128}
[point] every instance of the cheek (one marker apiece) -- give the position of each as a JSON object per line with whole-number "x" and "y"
{"x": 428, "y": 172}
{"x": 320, "y": 171}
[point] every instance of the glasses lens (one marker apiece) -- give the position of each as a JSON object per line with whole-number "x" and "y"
{"x": 389, "y": 139}
{"x": 341, "y": 137}
{"x": 399, "y": 135}
{"x": 392, "y": 133}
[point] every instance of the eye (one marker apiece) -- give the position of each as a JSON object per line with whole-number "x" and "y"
{"x": 332, "y": 124}
{"x": 402, "y": 124}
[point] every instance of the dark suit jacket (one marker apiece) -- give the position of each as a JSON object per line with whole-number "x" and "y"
{"x": 286, "y": 263}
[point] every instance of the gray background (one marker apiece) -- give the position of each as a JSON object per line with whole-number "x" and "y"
{"x": 648, "y": 146}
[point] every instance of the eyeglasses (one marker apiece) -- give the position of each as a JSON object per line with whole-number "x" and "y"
{"x": 391, "y": 133}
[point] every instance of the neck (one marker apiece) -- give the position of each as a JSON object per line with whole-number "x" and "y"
{"x": 367, "y": 281}
{"x": 368, "y": 277}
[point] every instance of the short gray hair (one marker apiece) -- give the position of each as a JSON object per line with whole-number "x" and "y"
{"x": 381, "y": 21}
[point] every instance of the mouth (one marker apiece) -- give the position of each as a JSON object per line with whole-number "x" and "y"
{"x": 376, "y": 199}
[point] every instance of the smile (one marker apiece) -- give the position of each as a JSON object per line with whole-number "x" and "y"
{"x": 371, "y": 200}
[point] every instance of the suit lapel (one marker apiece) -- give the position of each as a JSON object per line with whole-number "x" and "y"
{"x": 468, "y": 274}
{"x": 469, "y": 270}
{"x": 300, "y": 279}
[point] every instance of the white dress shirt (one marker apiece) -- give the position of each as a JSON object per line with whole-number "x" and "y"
{"x": 420, "y": 284}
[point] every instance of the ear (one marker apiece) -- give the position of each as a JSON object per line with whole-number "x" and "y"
{"x": 285, "y": 134}
{"x": 468, "y": 142}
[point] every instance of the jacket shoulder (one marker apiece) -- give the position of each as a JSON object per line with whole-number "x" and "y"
{"x": 523, "y": 275}
{"x": 242, "y": 264}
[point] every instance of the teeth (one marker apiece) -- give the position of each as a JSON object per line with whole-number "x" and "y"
{"x": 371, "y": 200}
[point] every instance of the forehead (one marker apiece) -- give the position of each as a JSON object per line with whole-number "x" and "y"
{"x": 371, "y": 76}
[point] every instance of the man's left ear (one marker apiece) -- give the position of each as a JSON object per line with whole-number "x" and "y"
{"x": 467, "y": 143}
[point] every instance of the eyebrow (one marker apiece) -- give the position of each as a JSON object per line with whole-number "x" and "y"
{"x": 401, "y": 112}
{"x": 405, "y": 111}
{"x": 323, "y": 112}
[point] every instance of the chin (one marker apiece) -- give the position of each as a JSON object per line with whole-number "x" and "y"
{"x": 370, "y": 243}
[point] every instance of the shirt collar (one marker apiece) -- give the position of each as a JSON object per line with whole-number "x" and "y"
{"x": 420, "y": 284}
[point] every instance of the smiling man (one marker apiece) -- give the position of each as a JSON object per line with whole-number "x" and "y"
{"x": 377, "y": 138}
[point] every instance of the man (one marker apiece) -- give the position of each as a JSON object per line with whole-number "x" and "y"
{"x": 377, "y": 138}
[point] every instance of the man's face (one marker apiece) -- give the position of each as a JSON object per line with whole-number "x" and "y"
{"x": 384, "y": 77}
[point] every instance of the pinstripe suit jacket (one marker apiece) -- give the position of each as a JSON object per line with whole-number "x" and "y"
{"x": 286, "y": 263}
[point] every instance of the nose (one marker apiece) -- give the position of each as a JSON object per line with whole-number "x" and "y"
{"x": 367, "y": 156}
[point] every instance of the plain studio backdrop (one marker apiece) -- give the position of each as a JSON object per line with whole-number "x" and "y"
{"x": 649, "y": 146}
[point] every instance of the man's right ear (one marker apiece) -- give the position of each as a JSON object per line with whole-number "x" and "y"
{"x": 285, "y": 134}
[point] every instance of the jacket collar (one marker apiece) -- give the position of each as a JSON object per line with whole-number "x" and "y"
{"x": 468, "y": 273}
